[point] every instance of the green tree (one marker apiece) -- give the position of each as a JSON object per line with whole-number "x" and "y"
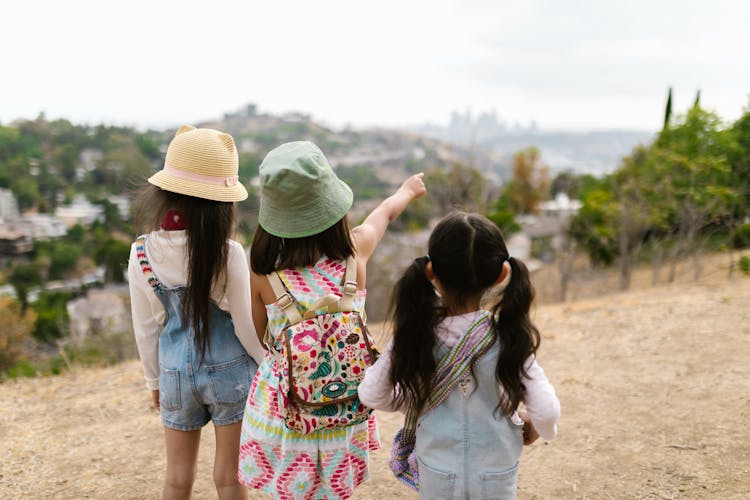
{"x": 668, "y": 110}
{"x": 503, "y": 216}
{"x": 63, "y": 257}
{"x": 23, "y": 278}
{"x": 26, "y": 190}
{"x": 113, "y": 255}
{"x": 693, "y": 157}
{"x": 595, "y": 225}
{"x": 52, "y": 318}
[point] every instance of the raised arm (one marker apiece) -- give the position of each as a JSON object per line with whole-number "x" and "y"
{"x": 367, "y": 236}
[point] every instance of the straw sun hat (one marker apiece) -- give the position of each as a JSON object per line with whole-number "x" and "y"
{"x": 300, "y": 194}
{"x": 201, "y": 162}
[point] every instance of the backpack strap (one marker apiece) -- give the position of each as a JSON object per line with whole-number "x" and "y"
{"x": 284, "y": 299}
{"x": 349, "y": 290}
{"x": 331, "y": 303}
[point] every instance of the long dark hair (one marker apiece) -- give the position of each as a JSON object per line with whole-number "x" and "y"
{"x": 467, "y": 252}
{"x": 269, "y": 253}
{"x": 209, "y": 225}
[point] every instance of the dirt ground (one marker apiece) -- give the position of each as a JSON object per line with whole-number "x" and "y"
{"x": 654, "y": 385}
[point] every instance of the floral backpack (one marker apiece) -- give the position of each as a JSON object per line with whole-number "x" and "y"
{"x": 322, "y": 357}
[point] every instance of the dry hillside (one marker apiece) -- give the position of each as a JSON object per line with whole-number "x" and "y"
{"x": 654, "y": 384}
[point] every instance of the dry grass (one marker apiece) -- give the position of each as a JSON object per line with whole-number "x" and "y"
{"x": 653, "y": 383}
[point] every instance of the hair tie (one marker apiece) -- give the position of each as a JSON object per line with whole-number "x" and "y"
{"x": 508, "y": 257}
{"x": 427, "y": 256}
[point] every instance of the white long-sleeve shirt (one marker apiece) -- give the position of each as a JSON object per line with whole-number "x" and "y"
{"x": 167, "y": 254}
{"x": 540, "y": 399}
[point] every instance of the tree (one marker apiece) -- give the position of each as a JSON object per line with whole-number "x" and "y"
{"x": 61, "y": 255}
{"x": 633, "y": 219}
{"x": 51, "y": 316}
{"x": 694, "y": 159}
{"x": 15, "y": 326}
{"x": 23, "y": 277}
{"x": 594, "y": 227}
{"x": 113, "y": 255}
{"x": 503, "y": 216}
{"x": 565, "y": 182}
{"x": 530, "y": 183}
{"x": 461, "y": 187}
{"x": 668, "y": 110}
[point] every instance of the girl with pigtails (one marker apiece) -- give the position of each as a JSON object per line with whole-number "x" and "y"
{"x": 461, "y": 361}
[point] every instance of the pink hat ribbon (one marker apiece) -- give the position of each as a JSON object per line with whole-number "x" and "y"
{"x": 206, "y": 179}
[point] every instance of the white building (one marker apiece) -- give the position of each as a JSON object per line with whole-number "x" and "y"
{"x": 38, "y": 226}
{"x": 99, "y": 312}
{"x": 561, "y": 206}
{"x": 87, "y": 162}
{"x": 123, "y": 205}
{"x": 8, "y": 205}
{"x": 80, "y": 211}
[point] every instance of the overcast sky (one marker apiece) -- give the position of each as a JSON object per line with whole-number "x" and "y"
{"x": 564, "y": 64}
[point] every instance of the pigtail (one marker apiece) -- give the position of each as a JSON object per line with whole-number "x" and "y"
{"x": 518, "y": 336}
{"x": 415, "y": 314}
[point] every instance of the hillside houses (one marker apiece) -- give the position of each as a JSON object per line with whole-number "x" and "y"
{"x": 546, "y": 230}
{"x": 80, "y": 211}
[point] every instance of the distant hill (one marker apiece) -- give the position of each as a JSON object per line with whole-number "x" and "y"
{"x": 595, "y": 152}
{"x": 383, "y": 157}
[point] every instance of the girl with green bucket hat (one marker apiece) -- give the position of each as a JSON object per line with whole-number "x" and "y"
{"x": 304, "y": 237}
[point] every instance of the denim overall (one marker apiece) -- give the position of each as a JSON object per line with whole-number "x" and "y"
{"x": 194, "y": 390}
{"x": 465, "y": 449}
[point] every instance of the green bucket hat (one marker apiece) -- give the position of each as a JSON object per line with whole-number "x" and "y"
{"x": 300, "y": 194}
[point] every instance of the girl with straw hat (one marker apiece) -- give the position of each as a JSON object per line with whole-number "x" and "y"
{"x": 190, "y": 294}
{"x": 304, "y": 237}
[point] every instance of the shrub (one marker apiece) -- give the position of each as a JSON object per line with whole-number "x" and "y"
{"x": 52, "y": 316}
{"x": 742, "y": 236}
{"x": 745, "y": 265}
{"x": 14, "y": 331}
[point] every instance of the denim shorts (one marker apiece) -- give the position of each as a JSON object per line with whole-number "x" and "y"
{"x": 190, "y": 398}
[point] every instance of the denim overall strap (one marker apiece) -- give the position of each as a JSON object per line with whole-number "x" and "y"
{"x": 450, "y": 370}
{"x": 148, "y": 272}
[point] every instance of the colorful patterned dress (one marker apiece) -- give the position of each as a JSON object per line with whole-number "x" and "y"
{"x": 326, "y": 464}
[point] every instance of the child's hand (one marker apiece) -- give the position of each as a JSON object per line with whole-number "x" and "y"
{"x": 155, "y": 399}
{"x": 414, "y": 185}
{"x": 529, "y": 432}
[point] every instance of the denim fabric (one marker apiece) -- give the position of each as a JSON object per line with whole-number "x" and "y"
{"x": 465, "y": 449}
{"x": 194, "y": 390}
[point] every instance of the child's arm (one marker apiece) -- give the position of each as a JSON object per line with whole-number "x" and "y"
{"x": 375, "y": 390}
{"x": 238, "y": 294}
{"x": 146, "y": 322}
{"x": 259, "y": 285}
{"x": 529, "y": 431}
{"x": 541, "y": 402}
{"x": 368, "y": 234}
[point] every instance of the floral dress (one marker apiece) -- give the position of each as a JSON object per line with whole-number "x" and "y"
{"x": 287, "y": 465}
